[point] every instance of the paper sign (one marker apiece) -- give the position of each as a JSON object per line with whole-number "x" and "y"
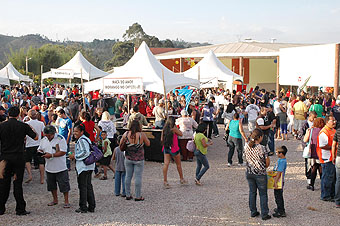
{"x": 271, "y": 176}
{"x": 62, "y": 73}
{"x": 123, "y": 86}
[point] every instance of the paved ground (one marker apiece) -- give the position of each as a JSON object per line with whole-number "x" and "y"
{"x": 222, "y": 200}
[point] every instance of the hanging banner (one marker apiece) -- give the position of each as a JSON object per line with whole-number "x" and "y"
{"x": 123, "y": 86}
{"x": 62, "y": 73}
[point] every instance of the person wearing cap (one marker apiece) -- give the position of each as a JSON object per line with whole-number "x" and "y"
{"x": 54, "y": 148}
{"x": 3, "y": 115}
{"x": 32, "y": 146}
{"x": 186, "y": 125}
{"x": 159, "y": 113}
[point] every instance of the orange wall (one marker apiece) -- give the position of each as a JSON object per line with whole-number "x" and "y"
{"x": 172, "y": 66}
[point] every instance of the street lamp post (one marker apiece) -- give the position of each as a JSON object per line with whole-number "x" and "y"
{"x": 27, "y": 59}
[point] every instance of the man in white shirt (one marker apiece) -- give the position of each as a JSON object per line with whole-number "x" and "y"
{"x": 252, "y": 110}
{"x": 32, "y": 146}
{"x": 54, "y": 148}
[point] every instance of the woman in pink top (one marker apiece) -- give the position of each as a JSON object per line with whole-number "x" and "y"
{"x": 169, "y": 139}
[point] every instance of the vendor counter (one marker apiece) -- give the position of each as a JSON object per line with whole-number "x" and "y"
{"x": 154, "y": 151}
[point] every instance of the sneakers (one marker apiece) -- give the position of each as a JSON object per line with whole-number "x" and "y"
{"x": 267, "y": 217}
{"x": 216, "y": 135}
{"x": 255, "y": 214}
{"x": 80, "y": 211}
{"x": 277, "y": 214}
{"x": 229, "y": 165}
{"x": 310, "y": 187}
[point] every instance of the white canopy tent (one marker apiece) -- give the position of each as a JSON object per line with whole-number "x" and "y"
{"x": 210, "y": 70}
{"x": 308, "y": 65}
{"x": 77, "y": 67}
{"x": 10, "y": 73}
{"x": 143, "y": 64}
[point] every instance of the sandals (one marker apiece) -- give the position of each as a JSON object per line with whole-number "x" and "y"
{"x": 166, "y": 185}
{"x": 197, "y": 182}
{"x": 140, "y": 199}
{"x": 103, "y": 178}
{"x": 67, "y": 205}
{"x": 183, "y": 182}
{"x": 52, "y": 204}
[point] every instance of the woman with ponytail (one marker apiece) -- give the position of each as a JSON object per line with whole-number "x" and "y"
{"x": 257, "y": 161}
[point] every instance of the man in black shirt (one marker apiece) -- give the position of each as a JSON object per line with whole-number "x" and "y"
{"x": 12, "y": 163}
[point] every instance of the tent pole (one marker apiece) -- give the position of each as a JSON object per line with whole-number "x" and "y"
{"x": 336, "y": 71}
{"x": 166, "y": 101}
{"x": 82, "y": 88}
{"x": 8, "y": 76}
{"x": 277, "y": 76}
{"x": 128, "y": 102}
{"x": 41, "y": 82}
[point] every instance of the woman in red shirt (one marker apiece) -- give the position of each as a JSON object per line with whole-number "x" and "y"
{"x": 149, "y": 108}
{"x": 90, "y": 127}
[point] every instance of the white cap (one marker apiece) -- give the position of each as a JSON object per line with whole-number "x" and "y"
{"x": 184, "y": 112}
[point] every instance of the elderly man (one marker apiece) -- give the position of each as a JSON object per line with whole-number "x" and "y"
{"x": 32, "y": 146}
{"x": 12, "y": 163}
{"x": 54, "y": 148}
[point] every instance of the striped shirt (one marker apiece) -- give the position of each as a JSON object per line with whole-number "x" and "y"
{"x": 255, "y": 159}
{"x": 82, "y": 151}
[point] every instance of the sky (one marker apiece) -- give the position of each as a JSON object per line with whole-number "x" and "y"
{"x": 213, "y": 21}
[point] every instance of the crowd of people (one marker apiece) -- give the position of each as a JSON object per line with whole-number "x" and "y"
{"x": 39, "y": 125}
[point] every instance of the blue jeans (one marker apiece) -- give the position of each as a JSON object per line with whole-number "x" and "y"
{"x": 201, "y": 160}
{"x": 271, "y": 141}
{"x": 327, "y": 180}
{"x": 233, "y": 143}
{"x": 136, "y": 168}
{"x": 258, "y": 182}
{"x": 119, "y": 182}
{"x": 215, "y": 129}
{"x": 337, "y": 183}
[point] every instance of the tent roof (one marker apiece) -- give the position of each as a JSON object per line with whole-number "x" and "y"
{"x": 9, "y": 72}
{"x": 244, "y": 49}
{"x": 144, "y": 64}
{"x": 211, "y": 67}
{"x": 79, "y": 65}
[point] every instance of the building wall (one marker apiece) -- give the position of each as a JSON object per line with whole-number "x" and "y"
{"x": 262, "y": 71}
{"x": 227, "y": 62}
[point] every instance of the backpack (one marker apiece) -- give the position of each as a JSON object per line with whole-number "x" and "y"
{"x": 95, "y": 154}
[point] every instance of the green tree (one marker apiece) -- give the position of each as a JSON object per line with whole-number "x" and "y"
{"x": 122, "y": 52}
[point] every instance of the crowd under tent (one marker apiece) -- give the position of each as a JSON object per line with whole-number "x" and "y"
{"x": 316, "y": 66}
{"x": 145, "y": 66}
{"x": 211, "y": 72}
{"x": 77, "y": 67}
{"x": 10, "y": 73}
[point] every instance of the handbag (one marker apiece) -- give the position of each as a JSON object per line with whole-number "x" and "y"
{"x": 191, "y": 146}
{"x": 307, "y": 150}
{"x": 95, "y": 154}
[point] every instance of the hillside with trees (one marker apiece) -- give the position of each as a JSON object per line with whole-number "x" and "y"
{"x": 104, "y": 54}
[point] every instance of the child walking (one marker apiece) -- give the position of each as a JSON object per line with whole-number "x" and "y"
{"x": 118, "y": 155}
{"x": 106, "y": 160}
{"x": 202, "y": 143}
{"x": 280, "y": 167}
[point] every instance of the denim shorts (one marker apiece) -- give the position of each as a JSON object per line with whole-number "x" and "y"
{"x": 168, "y": 151}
